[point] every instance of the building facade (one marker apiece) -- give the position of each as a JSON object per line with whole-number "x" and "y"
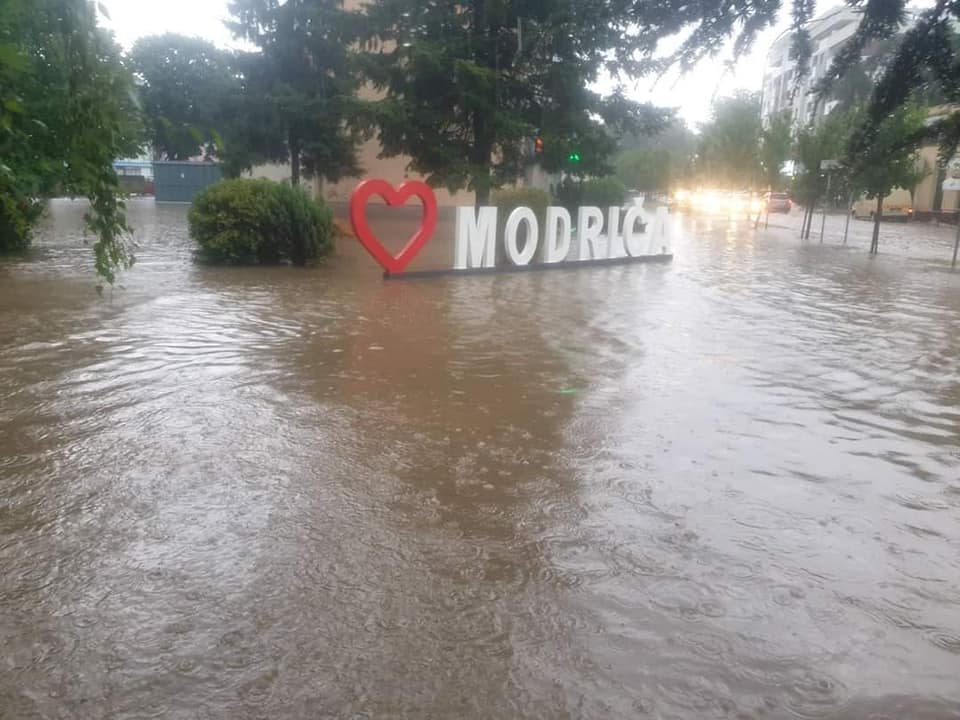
{"x": 780, "y": 93}
{"x": 929, "y": 196}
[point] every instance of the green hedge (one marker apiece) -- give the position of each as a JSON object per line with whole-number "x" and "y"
{"x": 508, "y": 199}
{"x": 260, "y": 221}
{"x": 604, "y": 192}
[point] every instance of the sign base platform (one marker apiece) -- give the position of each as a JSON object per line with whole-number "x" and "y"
{"x": 533, "y": 267}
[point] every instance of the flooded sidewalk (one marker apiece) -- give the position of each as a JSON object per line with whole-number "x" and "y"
{"x": 927, "y": 240}
{"x": 724, "y": 487}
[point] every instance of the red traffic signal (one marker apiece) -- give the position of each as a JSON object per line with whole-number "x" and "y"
{"x": 538, "y": 145}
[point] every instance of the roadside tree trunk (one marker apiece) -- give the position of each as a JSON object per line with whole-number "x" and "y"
{"x": 480, "y": 157}
{"x": 878, "y": 213}
{"x": 294, "y": 144}
{"x": 483, "y": 195}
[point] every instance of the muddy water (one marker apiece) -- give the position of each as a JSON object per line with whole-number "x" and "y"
{"x": 726, "y": 487}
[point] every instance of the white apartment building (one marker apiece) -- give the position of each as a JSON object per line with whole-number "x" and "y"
{"x": 828, "y": 32}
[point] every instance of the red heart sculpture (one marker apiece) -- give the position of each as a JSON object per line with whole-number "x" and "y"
{"x": 394, "y": 198}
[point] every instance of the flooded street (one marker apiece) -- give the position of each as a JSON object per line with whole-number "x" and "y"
{"x": 725, "y": 487}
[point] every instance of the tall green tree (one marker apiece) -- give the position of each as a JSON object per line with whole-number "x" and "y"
{"x": 67, "y": 111}
{"x": 728, "y": 154}
{"x": 186, "y": 87}
{"x": 465, "y": 86}
{"x": 889, "y": 160}
{"x": 813, "y": 145}
{"x": 299, "y": 87}
{"x": 675, "y": 137}
{"x": 775, "y": 141}
{"x": 658, "y": 161}
{"x": 645, "y": 170}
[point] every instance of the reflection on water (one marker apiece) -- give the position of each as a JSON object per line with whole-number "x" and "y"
{"x": 727, "y": 487}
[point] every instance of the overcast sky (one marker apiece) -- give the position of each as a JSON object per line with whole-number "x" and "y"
{"x": 691, "y": 94}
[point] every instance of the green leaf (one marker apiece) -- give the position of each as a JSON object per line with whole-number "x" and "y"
{"x": 103, "y": 10}
{"x": 11, "y": 59}
{"x": 13, "y": 105}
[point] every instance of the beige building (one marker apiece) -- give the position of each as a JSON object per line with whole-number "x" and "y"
{"x": 929, "y": 197}
{"x": 394, "y": 170}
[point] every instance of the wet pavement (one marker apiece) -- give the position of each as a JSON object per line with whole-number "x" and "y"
{"x": 726, "y": 487}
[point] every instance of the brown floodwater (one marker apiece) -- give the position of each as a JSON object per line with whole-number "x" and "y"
{"x": 724, "y": 487}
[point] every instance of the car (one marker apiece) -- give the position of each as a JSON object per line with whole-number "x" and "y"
{"x": 895, "y": 205}
{"x": 777, "y": 202}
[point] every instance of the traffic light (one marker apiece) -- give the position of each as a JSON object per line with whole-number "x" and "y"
{"x": 574, "y": 157}
{"x": 538, "y": 145}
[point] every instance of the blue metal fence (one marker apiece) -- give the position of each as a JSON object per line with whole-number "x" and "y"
{"x": 181, "y": 181}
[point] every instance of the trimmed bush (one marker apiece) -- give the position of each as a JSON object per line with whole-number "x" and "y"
{"x": 244, "y": 221}
{"x": 604, "y": 192}
{"x": 508, "y": 199}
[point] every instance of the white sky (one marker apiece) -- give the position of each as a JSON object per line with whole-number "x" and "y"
{"x": 691, "y": 94}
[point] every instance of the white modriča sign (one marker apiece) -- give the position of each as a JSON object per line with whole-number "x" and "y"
{"x": 597, "y": 237}
{"x": 640, "y": 234}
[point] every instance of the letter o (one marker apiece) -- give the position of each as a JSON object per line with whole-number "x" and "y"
{"x": 518, "y": 216}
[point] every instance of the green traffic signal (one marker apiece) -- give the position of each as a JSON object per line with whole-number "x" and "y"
{"x": 574, "y": 157}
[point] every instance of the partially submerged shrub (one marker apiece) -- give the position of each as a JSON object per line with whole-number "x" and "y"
{"x": 509, "y": 199}
{"x": 260, "y": 221}
{"x": 604, "y": 192}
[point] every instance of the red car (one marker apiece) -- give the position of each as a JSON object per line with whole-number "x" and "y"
{"x": 777, "y": 202}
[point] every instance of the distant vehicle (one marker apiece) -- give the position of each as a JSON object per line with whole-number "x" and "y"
{"x": 777, "y": 202}
{"x": 895, "y": 205}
